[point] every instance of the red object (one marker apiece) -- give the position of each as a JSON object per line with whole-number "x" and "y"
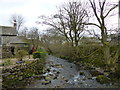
{"x": 33, "y": 49}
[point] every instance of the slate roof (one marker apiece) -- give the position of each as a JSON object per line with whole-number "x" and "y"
{"x": 17, "y": 40}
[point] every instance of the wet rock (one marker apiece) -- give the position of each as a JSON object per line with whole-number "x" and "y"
{"x": 84, "y": 79}
{"x": 54, "y": 70}
{"x": 82, "y": 73}
{"x": 58, "y": 65}
{"x": 48, "y": 70}
{"x": 45, "y": 82}
{"x": 58, "y": 72}
{"x": 70, "y": 66}
{"x": 52, "y": 65}
{"x": 63, "y": 77}
{"x": 55, "y": 77}
{"x": 95, "y": 73}
{"x": 51, "y": 74}
{"x": 66, "y": 80}
{"x": 71, "y": 75}
{"x": 47, "y": 78}
{"x": 57, "y": 86}
{"x": 89, "y": 77}
{"x": 74, "y": 62}
{"x": 93, "y": 78}
{"x": 81, "y": 83}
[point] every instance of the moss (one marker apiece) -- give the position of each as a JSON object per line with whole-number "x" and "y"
{"x": 21, "y": 73}
{"x": 103, "y": 79}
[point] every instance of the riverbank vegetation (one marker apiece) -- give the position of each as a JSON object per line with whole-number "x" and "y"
{"x": 69, "y": 37}
{"x": 66, "y": 38}
{"x": 20, "y": 74}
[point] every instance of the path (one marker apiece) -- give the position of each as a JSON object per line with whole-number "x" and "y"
{"x": 63, "y": 74}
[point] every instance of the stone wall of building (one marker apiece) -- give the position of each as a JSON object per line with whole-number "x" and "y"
{"x": 0, "y": 51}
{"x": 6, "y": 52}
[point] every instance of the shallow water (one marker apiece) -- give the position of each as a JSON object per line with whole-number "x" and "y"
{"x": 67, "y": 76}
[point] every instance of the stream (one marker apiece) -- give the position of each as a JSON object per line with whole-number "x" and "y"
{"x": 60, "y": 73}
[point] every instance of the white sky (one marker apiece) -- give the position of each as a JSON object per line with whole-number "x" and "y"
{"x": 31, "y": 9}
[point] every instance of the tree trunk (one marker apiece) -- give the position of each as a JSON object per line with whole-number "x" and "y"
{"x": 106, "y": 48}
{"x": 106, "y": 52}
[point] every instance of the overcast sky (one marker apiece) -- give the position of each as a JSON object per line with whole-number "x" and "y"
{"x": 31, "y": 9}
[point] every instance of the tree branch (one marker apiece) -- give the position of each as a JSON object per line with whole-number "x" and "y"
{"x": 111, "y": 10}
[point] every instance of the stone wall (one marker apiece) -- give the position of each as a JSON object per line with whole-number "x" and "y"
{"x": 6, "y": 52}
{"x": 0, "y": 51}
{"x": 20, "y": 75}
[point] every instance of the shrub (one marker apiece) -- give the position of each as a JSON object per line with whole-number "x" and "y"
{"x": 6, "y": 63}
{"x": 39, "y": 54}
{"x": 20, "y": 54}
{"x": 102, "y": 79}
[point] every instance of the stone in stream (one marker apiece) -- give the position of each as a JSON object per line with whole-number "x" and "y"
{"x": 55, "y": 77}
{"x": 54, "y": 70}
{"x": 48, "y": 70}
{"x": 63, "y": 77}
{"x": 45, "y": 82}
{"x": 51, "y": 74}
{"x": 47, "y": 78}
{"x": 58, "y": 65}
{"x": 95, "y": 73}
{"x": 84, "y": 79}
{"x": 89, "y": 77}
{"x": 58, "y": 72}
{"x": 66, "y": 80}
{"x": 82, "y": 73}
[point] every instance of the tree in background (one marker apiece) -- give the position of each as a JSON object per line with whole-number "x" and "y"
{"x": 101, "y": 10}
{"x": 33, "y": 35}
{"x": 19, "y": 21}
{"x": 68, "y": 21}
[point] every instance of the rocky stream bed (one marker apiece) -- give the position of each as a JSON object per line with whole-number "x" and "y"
{"x": 60, "y": 73}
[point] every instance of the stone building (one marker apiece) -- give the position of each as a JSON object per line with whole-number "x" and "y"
{"x": 8, "y": 39}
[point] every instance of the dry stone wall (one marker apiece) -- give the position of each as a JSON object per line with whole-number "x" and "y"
{"x": 6, "y": 52}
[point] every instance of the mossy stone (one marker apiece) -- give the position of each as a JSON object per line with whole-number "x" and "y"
{"x": 102, "y": 79}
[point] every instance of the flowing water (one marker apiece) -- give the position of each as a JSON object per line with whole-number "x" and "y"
{"x": 62, "y": 74}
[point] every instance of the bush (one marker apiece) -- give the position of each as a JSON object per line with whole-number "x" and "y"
{"x": 20, "y": 54}
{"x": 102, "y": 79}
{"x": 39, "y": 54}
{"x": 6, "y": 63}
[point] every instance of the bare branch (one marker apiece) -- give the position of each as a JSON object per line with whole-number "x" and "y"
{"x": 111, "y": 10}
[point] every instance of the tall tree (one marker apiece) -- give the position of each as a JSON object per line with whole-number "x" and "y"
{"x": 19, "y": 20}
{"x": 68, "y": 21}
{"x": 101, "y": 10}
{"x": 33, "y": 35}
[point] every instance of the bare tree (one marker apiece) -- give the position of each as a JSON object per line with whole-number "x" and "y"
{"x": 68, "y": 21}
{"x": 101, "y": 10}
{"x": 33, "y": 35}
{"x": 19, "y": 20}
{"x": 23, "y": 32}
